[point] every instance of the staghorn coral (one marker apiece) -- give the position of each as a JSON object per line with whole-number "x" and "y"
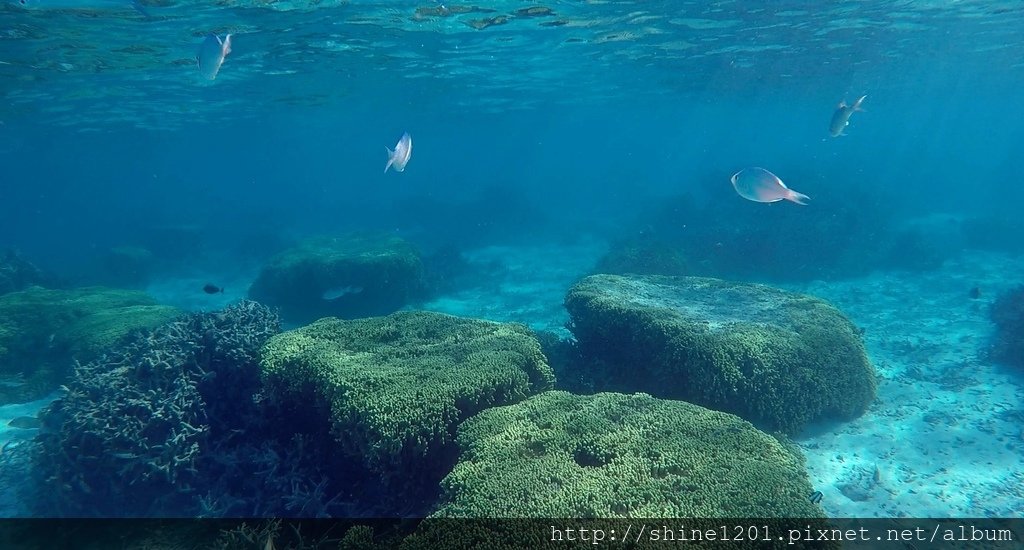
{"x": 775, "y": 358}
{"x": 146, "y": 430}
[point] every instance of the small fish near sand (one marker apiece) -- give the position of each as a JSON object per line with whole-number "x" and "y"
{"x": 26, "y": 423}
{"x": 211, "y": 55}
{"x": 760, "y": 185}
{"x": 401, "y": 155}
{"x": 841, "y": 118}
{"x": 332, "y": 294}
{"x": 213, "y": 289}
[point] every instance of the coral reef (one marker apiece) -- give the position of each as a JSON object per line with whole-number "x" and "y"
{"x": 171, "y": 423}
{"x": 126, "y": 267}
{"x": 643, "y": 256}
{"x": 835, "y": 239}
{"x": 17, "y": 273}
{"x": 354, "y": 276}
{"x": 395, "y": 388}
{"x": 1008, "y": 315}
{"x": 617, "y": 456}
{"x": 775, "y": 358}
{"x": 43, "y": 332}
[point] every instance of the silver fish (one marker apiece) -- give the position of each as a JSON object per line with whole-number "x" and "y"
{"x": 400, "y": 156}
{"x": 841, "y": 118}
{"x": 211, "y": 55}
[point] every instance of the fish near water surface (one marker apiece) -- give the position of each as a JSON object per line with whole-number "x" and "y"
{"x": 841, "y": 118}
{"x": 760, "y": 185}
{"x": 211, "y": 55}
{"x": 401, "y": 155}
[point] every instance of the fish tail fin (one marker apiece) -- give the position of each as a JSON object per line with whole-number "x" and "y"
{"x": 798, "y": 198}
{"x": 391, "y": 158}
{"x": 856, "y": 104}
{"x": 226, "y": 45}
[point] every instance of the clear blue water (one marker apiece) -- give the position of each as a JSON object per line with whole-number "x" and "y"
{"x": 531, "y": 130}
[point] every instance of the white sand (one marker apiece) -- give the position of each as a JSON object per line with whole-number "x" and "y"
{"x": 947, "y": 430}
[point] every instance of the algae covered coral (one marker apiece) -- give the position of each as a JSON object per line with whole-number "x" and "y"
{"x": 43, "y": 332}
{"x": 775, "y": 358}
{"x": 395, "y": 388}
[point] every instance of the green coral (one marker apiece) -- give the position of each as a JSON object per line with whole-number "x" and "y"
{"x": 776, "y": 358}
{"x": 379, "y": 274}
{"x": 617, "y": 456}
{"x": 42, "y": 332}
{"x": 396, "y": 387}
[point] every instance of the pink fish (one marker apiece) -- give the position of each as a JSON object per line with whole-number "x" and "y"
{"x": 400, "y": 156}
{"x": 760, "y": 185}
{"x": 211, "y": 55}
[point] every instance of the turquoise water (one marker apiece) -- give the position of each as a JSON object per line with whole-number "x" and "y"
{"x": 546, "y": 135}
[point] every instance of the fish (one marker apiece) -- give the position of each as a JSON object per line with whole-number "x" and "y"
{"x": 26, "y": 423}
{"x": 12, "y": 381}
{"x": 975, "y": 293}
{"x": 338, "y": 292}
{"x": 213, "y": 289}
{"x": 841, "y": 118}
{"x": 400, "y": 156}
{"x": 760, "y": 185}
{"x": 211, "y": 55}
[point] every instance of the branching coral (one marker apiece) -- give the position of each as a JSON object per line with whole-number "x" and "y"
{"x": 142, "y": 430}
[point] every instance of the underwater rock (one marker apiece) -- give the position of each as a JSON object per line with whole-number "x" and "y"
{"x": 378, "y": 273}
{"x": 1008, "y": 315}
{"x": 395, "y": 388}
{"x": 776, "y": 358}
{"x": 621, "y": 456}
{"x": 43, "y": 332}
